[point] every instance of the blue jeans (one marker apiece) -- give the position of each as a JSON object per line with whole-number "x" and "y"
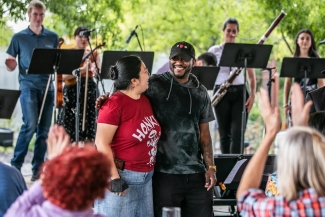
{"x": 31, "y": 102}
{"x": 137, "y": 201}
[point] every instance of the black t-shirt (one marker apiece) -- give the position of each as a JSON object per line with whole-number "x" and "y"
{"x": 180, "y": 109}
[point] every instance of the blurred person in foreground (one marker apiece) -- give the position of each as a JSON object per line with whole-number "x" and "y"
{"x": 69, "y": 182}
{"x": 300, "y": 181}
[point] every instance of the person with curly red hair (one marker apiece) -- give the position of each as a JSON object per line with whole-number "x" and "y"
{"x": 70, "y": 181}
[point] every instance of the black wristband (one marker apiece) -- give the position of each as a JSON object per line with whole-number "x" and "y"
{"x": 118, "y": 185}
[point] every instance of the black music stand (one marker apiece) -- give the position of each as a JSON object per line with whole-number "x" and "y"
{"x": 296, "y": 67}
{"x": 50, "y": 61}
{"x": 8, "y": 101}
{"x": 207, "y": 75}
{"x": 245, "y": 56}
{"x": 227, "y": 197}
{"x": 111, "y": 57}
{"x": 56, "y": 61}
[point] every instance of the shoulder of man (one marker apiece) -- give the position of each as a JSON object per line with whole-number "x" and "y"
{"x": 158, "y": 77}
{"x": 49, "y": 32}
{"x": 20, "y": 33}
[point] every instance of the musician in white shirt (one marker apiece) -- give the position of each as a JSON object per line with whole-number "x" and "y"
{"x": 229, "y": 109}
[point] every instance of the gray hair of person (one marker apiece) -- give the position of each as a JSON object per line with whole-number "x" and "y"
{"x": 301, "y": 162}
{"x": 35, "y": 4}
{"x": 124, "y": 71}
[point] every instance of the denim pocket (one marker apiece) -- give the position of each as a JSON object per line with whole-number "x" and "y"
{"x": 135, "y": 178}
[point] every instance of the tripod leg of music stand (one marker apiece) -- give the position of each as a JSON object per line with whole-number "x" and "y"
{"x": 44, "y": 99}
{"x": 243, "y": 120}
{"x": 77, "y": 109}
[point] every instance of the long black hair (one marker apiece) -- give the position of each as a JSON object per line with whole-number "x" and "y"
{"x": 124, "y": 71}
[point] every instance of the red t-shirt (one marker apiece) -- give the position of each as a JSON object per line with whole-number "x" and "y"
{"x": 136, "y": 138}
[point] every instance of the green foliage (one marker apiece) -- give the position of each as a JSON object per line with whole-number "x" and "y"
{"x": 6, "y": 34}
{"x": 301, "y": 14}
{"x": 15, "y": 9}
{"x": 100, "y": 14}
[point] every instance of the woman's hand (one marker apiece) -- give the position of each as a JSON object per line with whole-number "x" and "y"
{"x": 58, "y": 140}
{"x": 93, "y": 69}
{"x": 300, "y": 110}
{"x": 118, "y": 186}
{"x": 271, "y": 116}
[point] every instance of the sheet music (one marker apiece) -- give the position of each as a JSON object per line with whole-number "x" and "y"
{"x": 234, "y": 170}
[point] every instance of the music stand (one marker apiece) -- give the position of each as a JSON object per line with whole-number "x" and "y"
{"x": 296, "y": 67}
{"x": 206, "y": 75}
{"x": 50, "y": 61}
{"x": 111, "y": 57}
{"x": 245, "y": 56}
{"x": 55, "y": 61}
{"x": 228, "y": 162}
{"x": 8, "y": 101}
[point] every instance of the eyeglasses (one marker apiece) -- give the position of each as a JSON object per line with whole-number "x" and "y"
{"x": 38, "y": 15}
{"x": 146, "y": 71}
{"x": 177, "y": 58}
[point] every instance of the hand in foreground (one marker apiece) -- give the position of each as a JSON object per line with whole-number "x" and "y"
{"x": 11, "y": 63}
{"x": 57, "y": 141}
{"x": 271, "y": 116}
{"x": 101, "y": 100}
{"x": 210, "y": 179}
{"x": 299, "y": 110}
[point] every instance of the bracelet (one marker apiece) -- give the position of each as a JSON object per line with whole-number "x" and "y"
{"x": 214, "y": 168}
{"x": 285, "y": 105}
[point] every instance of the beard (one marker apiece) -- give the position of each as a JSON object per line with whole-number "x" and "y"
{"x": 188, "y": 69}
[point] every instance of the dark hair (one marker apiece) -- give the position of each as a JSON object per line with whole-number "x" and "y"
{"x": 79, "y": 29}
{"x": 230, "y": 21}
{"x": 317, "y": 121}
{"x": 124, "y": 71}
{"x": 208, "y": 58}
{"x": 312, "y": 52}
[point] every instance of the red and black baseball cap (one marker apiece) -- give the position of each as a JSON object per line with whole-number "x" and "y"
{"x": 184, "y": 50}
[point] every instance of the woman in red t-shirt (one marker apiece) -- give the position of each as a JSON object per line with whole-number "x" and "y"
{"x": 128, "y": 132}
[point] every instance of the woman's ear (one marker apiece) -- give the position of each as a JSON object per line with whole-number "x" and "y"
{"x": 134, "y": 82}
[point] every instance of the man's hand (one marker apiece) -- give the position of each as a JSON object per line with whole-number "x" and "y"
{"x": 58, "y": 140}
{"x": 101, "y": 100}
{"x": 249, "y": 103}
{"x": 210, "y": 179}
{"x": 299, "y": 110}
{"x": 11, "y": 64}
